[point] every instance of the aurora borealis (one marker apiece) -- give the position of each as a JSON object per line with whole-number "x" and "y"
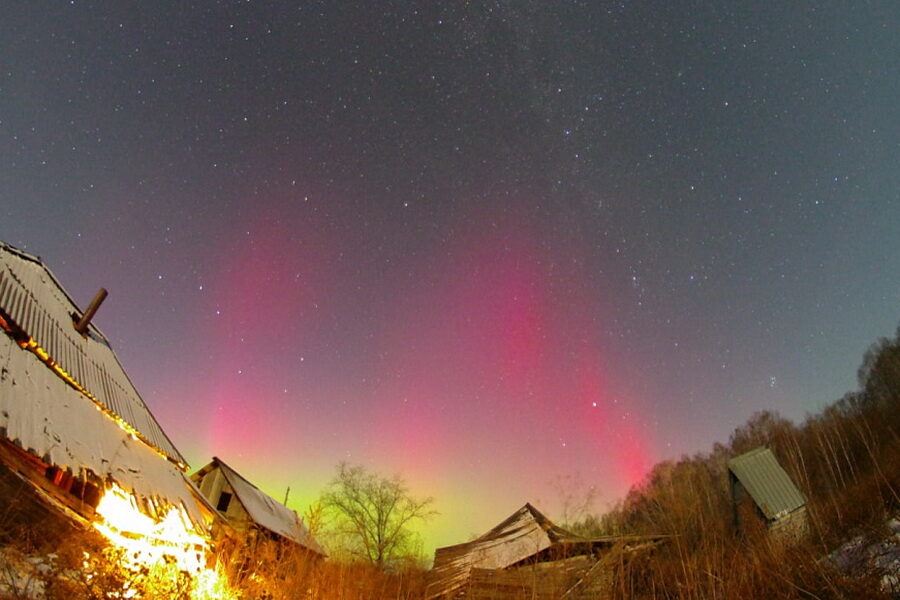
{"x": 482, "y": 244}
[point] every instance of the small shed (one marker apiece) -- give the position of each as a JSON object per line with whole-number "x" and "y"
{"x": 529, "y": 556}
{"x": 764, "y": 494}
{"x": 252, "y": 512}
{"x": 71, "y": 422}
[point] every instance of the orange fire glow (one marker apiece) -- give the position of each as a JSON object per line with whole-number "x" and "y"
{"x": 150, "y": 545}
{"x": 32, "y": 345}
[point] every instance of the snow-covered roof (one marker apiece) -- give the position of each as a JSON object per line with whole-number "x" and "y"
{"x": 767, "y": 483}
{"x": 75, "y": 428}
{"x": 265, "y": 511}
{"x": 53, "y": 421}
{"x": 39, "y": 308}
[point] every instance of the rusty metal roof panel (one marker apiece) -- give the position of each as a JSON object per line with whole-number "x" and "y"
{"x": 38, "y": 306}
{"x": 767, "y": 483}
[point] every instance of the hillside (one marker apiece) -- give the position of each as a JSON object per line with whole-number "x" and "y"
{"x": 846, "y": 461}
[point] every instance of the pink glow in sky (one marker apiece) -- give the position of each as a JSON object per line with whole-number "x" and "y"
{"x": 483, "y": 246}
{"x": 480, "y": 365}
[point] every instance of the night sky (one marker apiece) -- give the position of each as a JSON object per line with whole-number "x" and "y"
{"x": 482, "y": 244}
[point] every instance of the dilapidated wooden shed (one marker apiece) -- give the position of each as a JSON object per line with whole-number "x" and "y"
{"x": 764, "y": 495}
{"x": 252, "y": 512}
{"x": 71, "y": 422}
{"x": 527, "y": 556}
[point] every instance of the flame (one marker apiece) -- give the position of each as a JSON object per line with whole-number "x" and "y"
{"x": 152, "y": 546}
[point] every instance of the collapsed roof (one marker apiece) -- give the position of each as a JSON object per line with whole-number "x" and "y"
{"x": 65, "y": 398}
{"x": 767, "y": 483}
{"x": 525, "y": 536}
{"x": 264, "y": 510}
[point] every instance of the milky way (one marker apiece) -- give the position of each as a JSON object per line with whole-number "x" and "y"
{"x": 485, "y": 245}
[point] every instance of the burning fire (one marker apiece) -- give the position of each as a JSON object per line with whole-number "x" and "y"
{"x": 151, "y": 545}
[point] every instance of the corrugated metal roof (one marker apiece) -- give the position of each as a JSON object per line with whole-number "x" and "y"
{"x": 767, "y": 483}
{"x": 50, "y": 419}
{"x": 38, "y": 305}
{"x": 526, "y": 536}
{"x": 525, "y": 533}
{"x": 266, "y": 511}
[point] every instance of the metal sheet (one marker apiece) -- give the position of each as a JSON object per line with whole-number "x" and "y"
{"x": 525, "y": 533}
{"x": 767, "y": 483}
{"x": 264, "y": 510}
{"x": 36, "y": 302}
{"x": 50, "y": 419}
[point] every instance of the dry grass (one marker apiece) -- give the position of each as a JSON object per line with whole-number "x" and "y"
{"x": 280, "y": 574}
{"x": 84, "y": 567}
{"x": 846, "y": 460}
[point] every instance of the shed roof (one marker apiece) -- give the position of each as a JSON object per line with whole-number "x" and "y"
{"x": 266, "y": 511}
{"x": 526, "y": 533}
{"x": 767, "y": 483}
{"x": 37, "y": 305}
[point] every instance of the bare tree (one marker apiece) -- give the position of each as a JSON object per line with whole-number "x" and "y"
{"x": 375, "y": 513}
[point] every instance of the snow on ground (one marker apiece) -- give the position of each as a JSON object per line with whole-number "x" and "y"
{"x": 21, "y": 576}
{"x": 873, "y": 554}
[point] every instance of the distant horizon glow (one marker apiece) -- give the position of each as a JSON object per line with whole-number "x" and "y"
{"x": 484, "y": 248}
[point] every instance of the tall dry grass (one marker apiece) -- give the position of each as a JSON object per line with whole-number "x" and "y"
{"x": 280, "y": 573}
{"x": 83, "y": 566}
{"x": 846, "y": 460}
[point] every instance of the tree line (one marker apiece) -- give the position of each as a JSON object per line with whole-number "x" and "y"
{"x": 846, "y": 461}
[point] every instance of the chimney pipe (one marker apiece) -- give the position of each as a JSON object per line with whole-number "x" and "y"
{"x": 82, "y": 325}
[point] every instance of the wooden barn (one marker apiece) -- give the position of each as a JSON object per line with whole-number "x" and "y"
{"x": 256, "y": 516}
{"x": 527, "y": 556}
{"x": 72, "y": 425}
{"x": 764, "y": 496}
